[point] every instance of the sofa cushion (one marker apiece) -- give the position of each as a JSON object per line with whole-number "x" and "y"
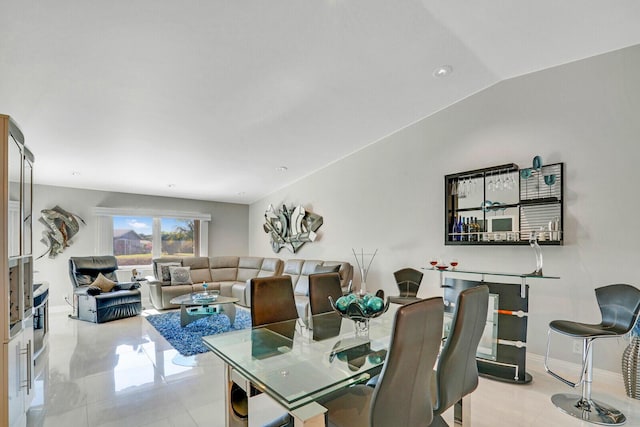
{"x": 302, "y": 306}
{"x": 270, "y": 267}
{"x": 223, "y": 268}
{"x": 327, "y": 268}
{"x": 169, "y": 292}
{"x": 226, "y": 288}
{"x": 302, "y": 285}
{"x": 248, "y": 268}
{"x": 180, "y": 276}
{"x": 104, "y": 284}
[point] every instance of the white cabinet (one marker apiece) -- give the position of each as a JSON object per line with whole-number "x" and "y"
{"x": 16, "y": 275}
{"x": 20, "y": 378}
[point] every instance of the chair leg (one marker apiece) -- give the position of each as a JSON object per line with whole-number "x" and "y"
{"x": 584, "y": 407}
{"x": 462, "y": 412}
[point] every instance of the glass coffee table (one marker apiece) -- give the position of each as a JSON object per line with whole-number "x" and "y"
{"x": 198, "y": 305}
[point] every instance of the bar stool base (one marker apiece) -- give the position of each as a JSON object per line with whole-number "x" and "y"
{"x": 591, "y": 411}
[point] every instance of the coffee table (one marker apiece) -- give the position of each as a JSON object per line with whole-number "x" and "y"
{"x": 192, "y": 308}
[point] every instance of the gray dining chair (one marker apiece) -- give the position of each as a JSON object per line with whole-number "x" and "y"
{"x": 272, "y": 300}
{"x": 402, "y": 396}
{"x": 321, "y": 287}
{"x": 456, "y": 374}
{"x": 619, "y": 305}
{"x": 408, "y": 281}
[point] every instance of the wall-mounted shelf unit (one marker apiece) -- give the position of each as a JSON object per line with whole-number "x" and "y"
{"x": 504, "y": 205}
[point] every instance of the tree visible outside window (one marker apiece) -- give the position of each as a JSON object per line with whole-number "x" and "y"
{"x": 134, "y": 237}
{"x": 177, "y": 236}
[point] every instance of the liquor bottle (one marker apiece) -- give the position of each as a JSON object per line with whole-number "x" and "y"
{"x": 458, "y": 236}
{"x": 454, "y": 229}
{"x": 473, "y": 230}
{"x": 476, "y": 229}
{"x": 464, "y": 228}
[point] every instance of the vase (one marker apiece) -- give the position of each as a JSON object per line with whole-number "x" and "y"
{"x": 363, "y": 288}
{"x": 361, "y": 327}
{"x": 630, "y": 368}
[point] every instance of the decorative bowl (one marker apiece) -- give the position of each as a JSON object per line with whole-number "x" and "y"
{"x": 205, "y": 296}
{"x": 442, "y": 267}
{"x": 359, "y": 308}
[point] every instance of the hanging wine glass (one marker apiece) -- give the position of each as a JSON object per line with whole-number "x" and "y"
{"x": 550, "y": 180}
{"x": 491, "y": 186}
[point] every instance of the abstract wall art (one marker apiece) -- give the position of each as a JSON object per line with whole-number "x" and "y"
{"x": 60, "y": 227}
{"x": 290, "y": 227}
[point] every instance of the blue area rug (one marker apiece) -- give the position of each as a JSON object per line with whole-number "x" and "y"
{"x": 188, "y": 340}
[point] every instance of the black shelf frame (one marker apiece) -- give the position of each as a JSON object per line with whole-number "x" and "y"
{"x": 524, "y": 204}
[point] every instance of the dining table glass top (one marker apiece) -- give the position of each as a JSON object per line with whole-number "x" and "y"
{"x": 297, "y": 364}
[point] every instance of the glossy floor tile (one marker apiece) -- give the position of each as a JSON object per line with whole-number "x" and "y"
{"x": 124, "y": 374}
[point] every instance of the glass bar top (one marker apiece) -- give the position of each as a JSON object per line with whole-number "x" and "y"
{"x": 494, "y": 273}
{"x": 297, "y": 365}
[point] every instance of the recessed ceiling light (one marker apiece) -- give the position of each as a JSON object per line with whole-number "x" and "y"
{"x": 443, "y": 71}
{"x": 282, "y": 169}
{"x": 171, "y": 185}
{"x": 75, "y": 173}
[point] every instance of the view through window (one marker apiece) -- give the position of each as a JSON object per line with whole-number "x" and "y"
{"x": 135, "y": 237}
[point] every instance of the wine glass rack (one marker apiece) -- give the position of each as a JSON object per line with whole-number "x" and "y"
{"x": 504, "y": 205}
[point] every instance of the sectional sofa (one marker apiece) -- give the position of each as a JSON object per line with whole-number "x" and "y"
{"x": 232, "y": 274}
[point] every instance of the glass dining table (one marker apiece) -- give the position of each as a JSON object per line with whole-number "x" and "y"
{"x": 298, "y": 364}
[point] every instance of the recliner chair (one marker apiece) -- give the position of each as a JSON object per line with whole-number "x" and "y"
{"x": 93, "y": 305}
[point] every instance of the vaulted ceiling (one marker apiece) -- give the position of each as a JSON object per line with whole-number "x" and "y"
{"x": 205, "y": 100}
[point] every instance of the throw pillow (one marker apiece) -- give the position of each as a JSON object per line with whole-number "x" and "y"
{"x": 165, "y": 274}
{"x": 180, "y": 276}
{"x": 327, "y": 268}
{"x": 103, "y": 283}
{"x": 93, "y": 291}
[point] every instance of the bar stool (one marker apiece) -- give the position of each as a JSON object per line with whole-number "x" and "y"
{"x": 619, "y": 305}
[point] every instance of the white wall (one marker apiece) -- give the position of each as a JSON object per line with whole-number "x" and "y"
{"x": 227, "y": 230}
{"x": 390, "y": 195}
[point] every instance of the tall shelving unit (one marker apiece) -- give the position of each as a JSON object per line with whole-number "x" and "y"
{"x": 16, "y": 283}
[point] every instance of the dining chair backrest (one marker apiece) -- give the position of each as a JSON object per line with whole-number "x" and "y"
{"x": 272, "y": 300}
{"x": 457, "y": 370}
{"x": 402, "y": 396}
{"x": 408, "y": 281}
{"x": 321, "y": 287}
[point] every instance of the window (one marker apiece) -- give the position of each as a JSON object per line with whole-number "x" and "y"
{"x": 136, "y": 237}
{"x": 133, "y": 240}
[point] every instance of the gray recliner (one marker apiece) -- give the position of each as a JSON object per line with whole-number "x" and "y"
{"x": 93, "y": 305}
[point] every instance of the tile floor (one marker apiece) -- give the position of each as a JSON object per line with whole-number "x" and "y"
{"x": 125, "y": 374}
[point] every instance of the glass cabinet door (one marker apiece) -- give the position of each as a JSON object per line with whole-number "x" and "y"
{"x": 14, "y": 170}
{"x": 27, "y": 205}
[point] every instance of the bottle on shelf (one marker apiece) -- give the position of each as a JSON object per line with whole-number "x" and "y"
{"x": 452, "y": 228}
{"x": 464, "y": 229}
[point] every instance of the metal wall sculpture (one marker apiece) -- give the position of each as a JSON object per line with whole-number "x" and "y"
{"x": 290, "y": 228}
{"x": 60, "y": 226}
